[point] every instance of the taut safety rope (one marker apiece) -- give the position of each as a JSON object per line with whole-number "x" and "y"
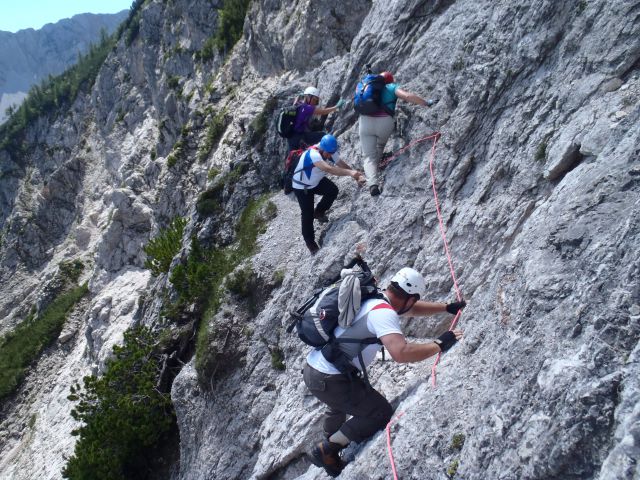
{"x": 435, "y": 137}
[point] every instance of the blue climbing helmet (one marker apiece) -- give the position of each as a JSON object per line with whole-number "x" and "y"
{"x": 329, "y": 144}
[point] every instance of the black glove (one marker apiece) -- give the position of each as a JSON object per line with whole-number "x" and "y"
{"x": 446, "y": 341}
{"x": 455, "y": 307}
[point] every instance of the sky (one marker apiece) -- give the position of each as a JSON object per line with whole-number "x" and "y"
{"x": 20, "y": 14}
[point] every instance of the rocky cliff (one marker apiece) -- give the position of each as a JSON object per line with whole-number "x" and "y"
{"x": 538, "y": 174}
{"x": 28, "y": 56}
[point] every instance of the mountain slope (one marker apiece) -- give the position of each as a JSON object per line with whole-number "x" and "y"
{"x": 28, "y": 56}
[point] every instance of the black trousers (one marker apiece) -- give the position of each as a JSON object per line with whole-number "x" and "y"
{"x": 329, "y": 192}
{"x": 369, "y": 410}
{"x": 310, "y": 138}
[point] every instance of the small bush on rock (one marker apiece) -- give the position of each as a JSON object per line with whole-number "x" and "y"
{"x": 125, "y": 418}
{"x": 161, "y": 250}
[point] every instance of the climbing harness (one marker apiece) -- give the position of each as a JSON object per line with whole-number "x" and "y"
{"x": 435, "y": 137}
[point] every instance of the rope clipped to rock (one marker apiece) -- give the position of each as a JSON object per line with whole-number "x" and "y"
{"x": 435, "y": 137}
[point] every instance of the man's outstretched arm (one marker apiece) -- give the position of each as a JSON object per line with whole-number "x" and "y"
{"x": 404, "y": 352}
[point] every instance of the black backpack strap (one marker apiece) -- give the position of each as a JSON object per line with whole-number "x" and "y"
{"x": 365, "y": 376}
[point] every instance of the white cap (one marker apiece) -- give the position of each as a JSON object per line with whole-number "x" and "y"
{"x": 312, "y": 91}
{"x": 410, "y": 281}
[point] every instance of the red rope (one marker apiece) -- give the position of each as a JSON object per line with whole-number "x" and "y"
{"x": 435, "y": 136}
{"x": 393, "y": 463}
{"x": 446, "y": 251}
{"x": 387, "y": 160}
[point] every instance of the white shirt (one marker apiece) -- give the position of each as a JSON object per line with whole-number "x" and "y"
{"x": 308, "y": 174}
{"x": 381, "y": 321}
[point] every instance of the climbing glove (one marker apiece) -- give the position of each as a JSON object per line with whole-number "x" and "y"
{"x": 340, "y": 104}
{"x": 455, "y": 307}
{"x": 446, "y": 341}
{"x": 431, "y": 102}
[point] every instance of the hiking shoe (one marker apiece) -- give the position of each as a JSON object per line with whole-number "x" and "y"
{"x": 313, "y": 247}
{"x": 374, "y": 190}
{"x": 321, "y": 217}
{"x": 326, "y": 455}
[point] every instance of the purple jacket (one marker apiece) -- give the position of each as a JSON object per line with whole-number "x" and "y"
{"x": 303, "y": 116}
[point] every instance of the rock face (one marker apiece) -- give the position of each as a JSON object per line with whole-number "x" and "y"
{"x": 28, "y": 56}
{"x": 538, "y": 176}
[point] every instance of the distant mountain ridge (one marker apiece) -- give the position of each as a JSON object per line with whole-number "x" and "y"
{"x": 29, "y": 55}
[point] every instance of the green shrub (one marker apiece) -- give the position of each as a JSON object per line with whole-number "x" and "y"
{"x": 173, "y": 82}
{"x": 258, "y": 127}
{"x": 278, "y": 277}
{"x": 457, "y": 442}
{"x": 130, "y": 28}
{"x": 176, "y": 153}
{"x": 277, "y": 359}
{"x": 230, "y": 23}
{"x": 452, "y": 469}
{"x": 541, "y": 151}
{"x": 71, "y": 270}
{"x": 125, "y": 418}
{"x": 208, "y": 202}
{"x": 161, "y": 250}
{"x": 198, "y": 280}
{"x": 213, "y": 173}
{"x": 241, "y": 282}
{"x": 21, "y": 347}
{"x": 208, "y": 50}
{"x": 215, "y": 130}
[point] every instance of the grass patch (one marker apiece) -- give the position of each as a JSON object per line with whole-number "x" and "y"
{"x": 161, "y": 250}
{"x": 21, "y": 347}
{"x": 125, "y": 418}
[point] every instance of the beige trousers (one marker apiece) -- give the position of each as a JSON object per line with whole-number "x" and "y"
{"x": 374, "y": 133}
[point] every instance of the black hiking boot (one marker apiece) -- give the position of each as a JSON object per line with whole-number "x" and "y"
{"x": 321, "y": 217}
{"x": 326, "y": 455}
{"x": 313, "y": 247}
{"x": 374, "y": 190}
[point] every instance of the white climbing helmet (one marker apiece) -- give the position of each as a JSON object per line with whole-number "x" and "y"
{"x": 410, "y": 281}
{"x": 312, "y": 91}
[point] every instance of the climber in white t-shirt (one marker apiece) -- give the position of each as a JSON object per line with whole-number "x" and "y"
{"x": 351, "y": 394}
